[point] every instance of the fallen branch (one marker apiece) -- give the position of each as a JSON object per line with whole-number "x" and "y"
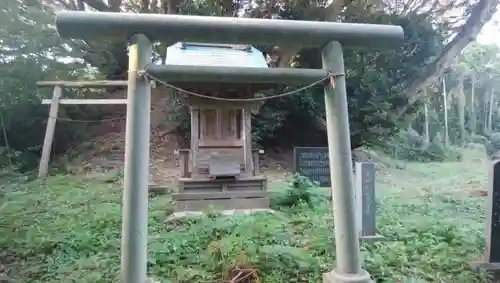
{"x": 244, "y": 276}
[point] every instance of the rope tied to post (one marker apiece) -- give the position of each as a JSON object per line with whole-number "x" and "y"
{"x": 330, "y": 77}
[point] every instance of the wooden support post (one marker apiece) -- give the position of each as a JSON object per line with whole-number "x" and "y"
{"x": 49, "y": 132}
{"x": 195, "y": 137}
{"x": 218, "y": 124}
{"x": 183, "y": 163}
{"x": 256, "y": 162}
{"x": 247, "y": 139}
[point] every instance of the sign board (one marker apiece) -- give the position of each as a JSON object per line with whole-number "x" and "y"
{"x": 313, "y": 162}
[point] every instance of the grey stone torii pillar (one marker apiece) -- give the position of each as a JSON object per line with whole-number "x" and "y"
{"x": 143, "y": 29}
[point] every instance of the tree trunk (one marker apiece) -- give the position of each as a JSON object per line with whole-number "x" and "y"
{"x": 445, "y": 109}
{"x": 426, "y": 120}
{"x": 472, "y": 108}
{"x": 485, "y": 110}
{"x": 461, "y": 110}
{"x": 490, "y": 112}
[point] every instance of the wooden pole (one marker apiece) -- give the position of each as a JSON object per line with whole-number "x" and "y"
{"x": 49, "y": 132}
{"x": 82, "y": 84}
{"x": 87, "y": 101}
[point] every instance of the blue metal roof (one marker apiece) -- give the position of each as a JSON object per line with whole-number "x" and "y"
{"x": 221, "y": 55}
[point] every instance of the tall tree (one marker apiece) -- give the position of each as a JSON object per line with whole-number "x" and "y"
{"x": 426, "y": 23}
{"x": 471, "y": 83}
{"x": 30, "y": 50}
{"x": 461, "y": 31}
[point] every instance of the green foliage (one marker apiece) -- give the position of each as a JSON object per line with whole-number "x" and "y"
{"x": 482, "y": 139}
{"x": 470, "y": 82}
{"x": 31, "y": 51}
{"x": 375, "y": 80}
{"x": 375, "y": 84}
{"x": 409, "y": 145}
{"x": 300, "y": 191}
{"x": 68, "y": 229}
{"x": 494, "y": 139}
{"x": 492, "y": 144}
{"x": 489, "y": 143}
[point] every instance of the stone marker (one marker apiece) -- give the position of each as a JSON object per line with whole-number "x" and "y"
{"x": 366, "y": 208}
{"x": 491, "y": 258}
{"x": 313, "y": 162}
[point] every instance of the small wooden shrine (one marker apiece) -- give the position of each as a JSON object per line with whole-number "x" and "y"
{"x": 220, "y": 170}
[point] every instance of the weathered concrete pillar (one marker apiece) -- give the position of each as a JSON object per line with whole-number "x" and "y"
{"x": 135, "y": 191}
{"x": 348, "y": 268}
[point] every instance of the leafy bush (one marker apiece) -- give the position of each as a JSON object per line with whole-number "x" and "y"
{"x": 480, "y": 139}
{"x": 492, "y": 144}
{"x": 300, "y": 191}
{"x": 409, "y": 145}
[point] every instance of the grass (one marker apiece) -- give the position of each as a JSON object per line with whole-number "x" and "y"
{"x": 67, "y": 229}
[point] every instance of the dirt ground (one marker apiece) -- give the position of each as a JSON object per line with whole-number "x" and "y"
{"x": 106, "y": 154}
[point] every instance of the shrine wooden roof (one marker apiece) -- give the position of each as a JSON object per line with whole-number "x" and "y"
{"x": 220, "y": 55}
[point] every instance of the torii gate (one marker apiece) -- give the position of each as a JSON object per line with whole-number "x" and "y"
{"x": 142, "y": 29}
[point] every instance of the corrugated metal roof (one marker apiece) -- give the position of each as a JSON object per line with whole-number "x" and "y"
{"x": 222, "y": 55}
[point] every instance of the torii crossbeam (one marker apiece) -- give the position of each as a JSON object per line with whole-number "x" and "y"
{"x": 142, "y": 29}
